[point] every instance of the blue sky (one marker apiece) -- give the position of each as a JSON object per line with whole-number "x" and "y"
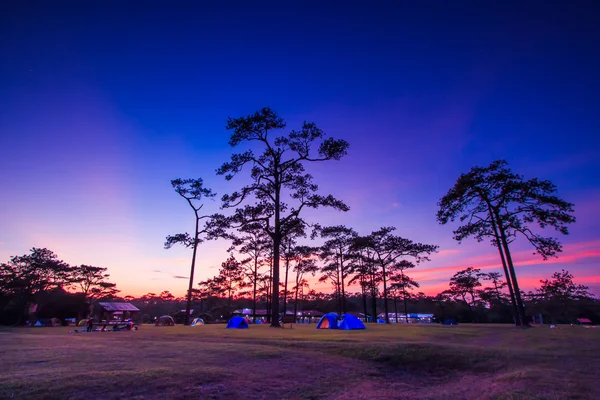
{"x": 102, "y": 105}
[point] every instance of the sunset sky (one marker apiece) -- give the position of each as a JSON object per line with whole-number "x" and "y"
{"x": 100, "y": 107}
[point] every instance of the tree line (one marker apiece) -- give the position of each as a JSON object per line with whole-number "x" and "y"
{"x": 491, "y": 203}
{"x": 62, "y": 291}
{"x": 41, "y": 278}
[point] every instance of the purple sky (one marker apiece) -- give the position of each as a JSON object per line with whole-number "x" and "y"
{"x": 101, "y": 108}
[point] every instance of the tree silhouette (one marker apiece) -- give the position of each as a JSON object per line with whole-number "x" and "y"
{"x": 254, "y": 243}
{"x": 493, "y": 295}
{"x": 336, "y": 252}
{"x": 560, "y": 292}
{"x": 289, "y": 253}
{"x": 93, "y": 282}
{"x": 192, "y": 190}
{"x": 24, "y": 277}
{"x": 562, "y": 287}
{"x": 364, "y": 268}
{"x": 493, "y": 202}
{"x": 305, "y": 264}
{"x": 466, "y": 282}
{"x": 389, "y": 249}
{"x": 230, "y": 279}
{"x": 278, "y": 169}
{"x": 403, "y": 283}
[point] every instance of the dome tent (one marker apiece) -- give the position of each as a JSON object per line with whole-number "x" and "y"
{"x": 197, "y": 321}
{"x": 449, "y": 322}
{"x": 165, "y": 320}
{"x": 328, "y": 321}
{"x": 350, "y": 322}
{"x": 237, "y": 323}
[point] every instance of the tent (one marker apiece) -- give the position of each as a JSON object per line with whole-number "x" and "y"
{"x": 328, "y": 321}
{"x": 197, "y": 321}
{"x": 165, "y": 320}
{"x": 449, "y": 322}
{"x": 350, "y": 322}
{"x": 237, "y": 323}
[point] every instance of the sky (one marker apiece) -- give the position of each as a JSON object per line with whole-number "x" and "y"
{"x": 103, "y": 103}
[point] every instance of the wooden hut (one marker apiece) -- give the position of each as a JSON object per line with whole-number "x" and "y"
{"x": 116, "y": 312}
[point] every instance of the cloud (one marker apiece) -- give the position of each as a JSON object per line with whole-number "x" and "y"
{"x": 177, "y": 261}
{"x": 444, "y": 252}
{"x": 157, "y": 270}
{"x": 180, "y": 277}
{"x": 535, "y": 281}
{"x": 572, "y": 253}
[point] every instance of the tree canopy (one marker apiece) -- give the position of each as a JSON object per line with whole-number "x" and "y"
{"x": 280, "y": 188}
{"x": 494, "y": 202}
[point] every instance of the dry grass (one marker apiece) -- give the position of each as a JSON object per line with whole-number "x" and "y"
{"x": 383, "y": 362}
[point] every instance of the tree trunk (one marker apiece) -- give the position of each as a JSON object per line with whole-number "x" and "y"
{"x": 285, "y": 286}
{"x": 405, "y": 305}
{"x": 513, "y": 275}
{"x": 342, "y": 280}
{"x": 254, "y": 288}
{"x": 276, "y": 249}
{"x": 188, "y": 304}
{"x": 364, "y": 297}
{"x": 396, "y": 306}
{"x": 229, "y": 297}
{"x": 385, "y": 299}
{"x": 269, "y": 292}
{"x": 338, "y": 291}
{"x": 296, "y": 297}
{"x": 469, "y": 306}
{"x": 474, "y": 318}
{"x": 275, "y": 288}
{"x": 505, "y": 268}
{"x": 373, "y": 298}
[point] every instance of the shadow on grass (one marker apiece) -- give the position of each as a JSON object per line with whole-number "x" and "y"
{"x": 426, "y": 358}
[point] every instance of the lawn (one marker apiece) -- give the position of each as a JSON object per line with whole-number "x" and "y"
{"x": 383, "y": 362}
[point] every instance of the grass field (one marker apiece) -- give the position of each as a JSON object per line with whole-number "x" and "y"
{"x": 383, "y": 362}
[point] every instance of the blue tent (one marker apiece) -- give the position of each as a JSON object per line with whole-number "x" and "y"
{"x": 350, "y": 322}
{"x": 328, "y": 321}
{"x": 449, "y": 322}
{"x": 237, "y": 323}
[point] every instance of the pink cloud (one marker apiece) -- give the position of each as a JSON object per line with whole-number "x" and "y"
{"x": 445, "y": 252}
{"x": 530, "y": 282}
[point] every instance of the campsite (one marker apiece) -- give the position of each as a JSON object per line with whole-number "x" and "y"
{"x": 300, "y": 200}
{"x": 381, "y": 362}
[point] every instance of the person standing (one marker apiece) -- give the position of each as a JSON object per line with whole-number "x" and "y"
{"x": 90, "y": 324}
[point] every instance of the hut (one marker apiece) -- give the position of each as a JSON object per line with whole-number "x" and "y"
{"x": 116, "y": 312}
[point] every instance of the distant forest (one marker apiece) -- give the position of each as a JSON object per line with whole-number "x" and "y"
{"x": 61, "y": 291}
